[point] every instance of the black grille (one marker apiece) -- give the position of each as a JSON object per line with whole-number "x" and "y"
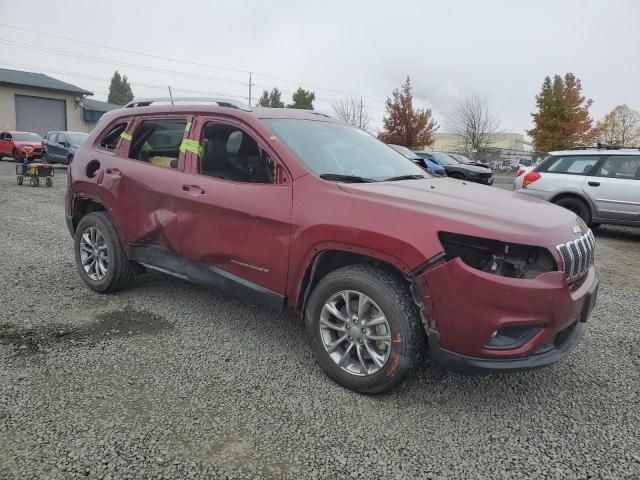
{"x": 577, "y": 255}
{"x": 557, "y": 340}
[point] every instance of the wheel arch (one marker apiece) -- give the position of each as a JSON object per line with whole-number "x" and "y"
{"x": 83, "y": 206}
{"x": 579, "y": 196}
{"x": 330, "y": 259}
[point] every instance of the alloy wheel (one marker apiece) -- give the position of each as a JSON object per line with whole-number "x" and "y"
{"x": 94, "y": 254}
{"x": 355, "y": 333}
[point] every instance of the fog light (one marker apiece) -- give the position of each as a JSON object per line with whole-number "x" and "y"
{"x": 509, "y": 338}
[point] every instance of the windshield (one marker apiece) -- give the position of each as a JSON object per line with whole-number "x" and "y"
{"x": 27, "y": 137}
{"x": 76, "y": 138}
{"x": 444, "y": 159}
{"x": 339, "y": 149}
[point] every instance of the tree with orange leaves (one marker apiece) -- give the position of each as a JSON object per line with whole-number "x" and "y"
{"x": 404, "y": 125}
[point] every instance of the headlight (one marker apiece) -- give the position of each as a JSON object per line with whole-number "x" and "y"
{"x": 498, "y": 258}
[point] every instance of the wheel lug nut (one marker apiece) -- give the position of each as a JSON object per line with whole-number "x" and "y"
{"x": 355, "y": 322}
{"x": 361, "y": 341}
{"x": 349, "y": 338}
{"x": 364, "y": 330}
{"x": 348, "y": 326}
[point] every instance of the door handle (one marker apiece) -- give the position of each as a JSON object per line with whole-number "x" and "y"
{"x": 594, "y": 184}
{"x": 114, "y": 172}
{"x": 193, "y": 189}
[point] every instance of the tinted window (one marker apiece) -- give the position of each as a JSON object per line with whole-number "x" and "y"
{"x": 232, "y": 154}
{"x": 621, "y": 166}
{"x": 52, "y": 137}
{"x": 336, "y": 148}
{"x": 158, "y": 142}
{"x": 111, "y": 138}
{"x": 572, "y": 164}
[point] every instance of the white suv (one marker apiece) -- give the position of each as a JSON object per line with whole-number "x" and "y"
{"x": 599, "y": 185}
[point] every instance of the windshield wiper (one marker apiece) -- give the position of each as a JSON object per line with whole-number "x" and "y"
{"x": 337, "y": 177}
{"x": 403, "y": 177}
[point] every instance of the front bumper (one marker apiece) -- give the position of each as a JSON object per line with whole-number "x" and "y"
{"x": 464, "y": 306}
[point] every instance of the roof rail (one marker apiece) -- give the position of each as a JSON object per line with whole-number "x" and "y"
{"x": 221, "y": 102}
{"x": 604, "y": 146}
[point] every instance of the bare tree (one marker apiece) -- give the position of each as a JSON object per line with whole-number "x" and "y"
{"x": 352, "y": 111}
{"x": 621, "y": 126}
{"x": 474, "y": 122}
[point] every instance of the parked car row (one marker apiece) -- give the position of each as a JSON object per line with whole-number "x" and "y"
{"x": 55, "y": 147}
{"x": 448, "y": 164}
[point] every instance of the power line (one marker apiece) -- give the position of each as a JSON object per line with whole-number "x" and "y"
{"x": 105, "y": 79}
{"x": 189, "y": 62}
{"x": 80, "y": 56}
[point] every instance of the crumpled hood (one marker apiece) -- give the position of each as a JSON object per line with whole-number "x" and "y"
{"x": 494, "y": 213}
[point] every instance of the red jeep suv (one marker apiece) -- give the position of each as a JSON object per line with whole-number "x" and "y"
{"x": 294, "y": 209}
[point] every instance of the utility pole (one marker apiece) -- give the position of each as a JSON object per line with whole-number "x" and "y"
{"x": 360, "y": 118}
{"x": 250, "y": 85}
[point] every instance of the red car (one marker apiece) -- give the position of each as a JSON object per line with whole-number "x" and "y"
{"x": 293, "y": 209}
{"x": 12, "y": 144}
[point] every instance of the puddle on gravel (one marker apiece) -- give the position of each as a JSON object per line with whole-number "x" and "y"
{"x": 105, "y": 325}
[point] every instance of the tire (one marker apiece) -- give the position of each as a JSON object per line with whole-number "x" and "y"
{"x": 388, "y": 294}
{"x": 69, "y": 159}
{"x": 20, "y": 179}
{"x": 119, "y": 273}
{"x": 49, "y": 182}
{"x": 577, "y": 206}
{"x": 34, "y": 181}
{"x": 16, "y": 157}
{"x": 457, "y": 176}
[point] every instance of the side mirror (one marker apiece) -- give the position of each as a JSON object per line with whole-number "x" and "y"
{"x": 64, "y": 144}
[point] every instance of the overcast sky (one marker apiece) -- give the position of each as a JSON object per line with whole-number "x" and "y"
{"x": 501, "y": 50}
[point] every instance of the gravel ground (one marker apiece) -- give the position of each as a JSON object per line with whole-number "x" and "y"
{"x": 169, "y": 380}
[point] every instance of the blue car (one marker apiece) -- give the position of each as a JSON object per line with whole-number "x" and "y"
{"x": 432, "y": 167}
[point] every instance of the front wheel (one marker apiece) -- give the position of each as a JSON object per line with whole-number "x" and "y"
{"x": 20, "y": 179}
{"x": 49, "y": 182}
{"x": 364, "y": 328}
{"x": 101, "y": 260}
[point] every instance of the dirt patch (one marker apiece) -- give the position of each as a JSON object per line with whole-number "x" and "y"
{"x": 106, "y": 325}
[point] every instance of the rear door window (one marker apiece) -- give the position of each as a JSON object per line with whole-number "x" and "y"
{"x": 111, "y": 138}
{"x": 621, "y": 167}
{"x": 158, "y": 142}
{"x": 52, "y": 137}
{"x": 571, "y": 164}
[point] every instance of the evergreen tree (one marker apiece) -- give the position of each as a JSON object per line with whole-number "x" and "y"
{"x": 272, "y": 99}
{"x": 302, "y": 99}
{"x": 119, "y": 90}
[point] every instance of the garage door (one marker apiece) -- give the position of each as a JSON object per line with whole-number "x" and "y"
{"x": 40, "y": 115}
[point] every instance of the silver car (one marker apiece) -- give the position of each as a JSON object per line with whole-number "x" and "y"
{"x": 599, "y": 185}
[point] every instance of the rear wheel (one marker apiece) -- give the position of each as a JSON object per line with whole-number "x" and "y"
{"x": 101, "y": 261}
{"x": 364, "y": 328}
{"x": 20, "y": 179}
{"x": 49, "y": 182}
{"x": 34, "y": 181}
{"x": 577, "y": 206}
